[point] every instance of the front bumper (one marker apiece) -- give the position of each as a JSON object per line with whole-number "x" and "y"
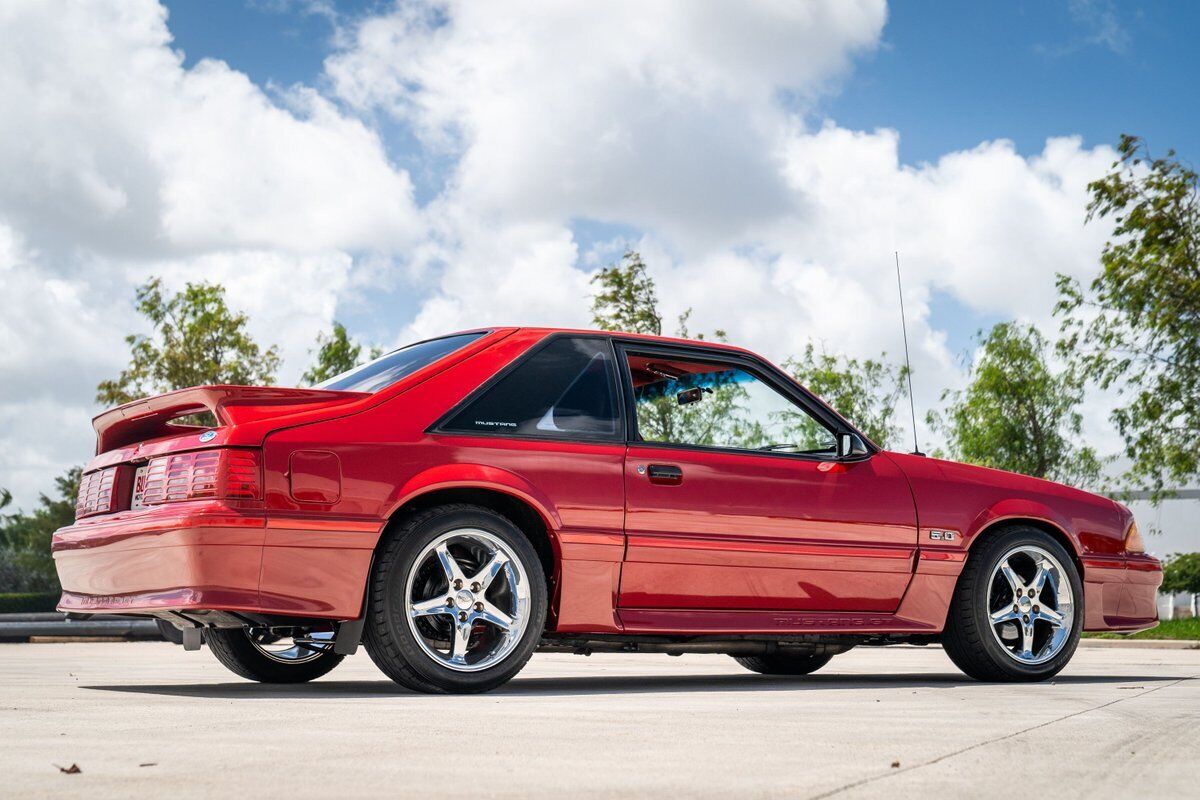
{"x": 207, "y": 556}
{"x": 1121, "y": 592}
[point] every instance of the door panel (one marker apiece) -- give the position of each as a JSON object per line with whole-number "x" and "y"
{"x": 768, "y": 532}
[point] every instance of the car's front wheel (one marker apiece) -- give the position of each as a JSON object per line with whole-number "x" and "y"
{"x": 1017, "y": 610}
{"x": 457, "y": 601}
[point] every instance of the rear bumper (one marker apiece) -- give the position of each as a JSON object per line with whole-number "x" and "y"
{"x": 1121, "y": 592}
{"x": 207, "y": 556}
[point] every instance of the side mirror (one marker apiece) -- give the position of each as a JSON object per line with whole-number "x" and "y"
{"x": 851, "y": 445}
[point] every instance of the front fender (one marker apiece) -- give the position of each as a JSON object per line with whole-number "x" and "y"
{"x": 1022, "y": 509}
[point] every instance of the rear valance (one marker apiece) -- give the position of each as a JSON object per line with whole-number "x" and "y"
{"x": 148, "y": 418}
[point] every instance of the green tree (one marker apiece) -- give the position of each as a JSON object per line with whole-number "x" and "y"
{"x": 336, "y": 353}
{"x": 1181, "y": 573}
{"x": 198, "y": 340}
{"x": 626, "y": 300}
{"x": 26, "y": 564}
{"x": 721, "y": 416}
{"x": 864, "y": 392}
{"x": 1136, "y": 328}
{"x": 1016, "y": 414}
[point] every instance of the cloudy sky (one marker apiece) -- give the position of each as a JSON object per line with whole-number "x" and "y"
{"x": 416, "y": 168}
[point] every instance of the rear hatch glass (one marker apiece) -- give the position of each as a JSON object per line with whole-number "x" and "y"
{"x": 391, "y": 367}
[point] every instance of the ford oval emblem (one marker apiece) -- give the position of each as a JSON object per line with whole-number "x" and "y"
{"x": 208, "y": 436}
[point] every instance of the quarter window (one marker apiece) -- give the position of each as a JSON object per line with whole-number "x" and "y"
{"x": 567, "y": 389}
{"x": 714, "y": 404}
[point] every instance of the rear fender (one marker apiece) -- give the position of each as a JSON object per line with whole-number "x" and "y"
{"x": 479, "y": 476}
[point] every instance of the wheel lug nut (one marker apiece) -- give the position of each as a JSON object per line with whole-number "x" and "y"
{"x": 462, "y": 616}
{"x": 1037, "y": 609}
{"x": 475, "y": 587}
{"x": 479, "y": 606}
{"x": 457, "y": 584}
{"x": 449, "y": 601}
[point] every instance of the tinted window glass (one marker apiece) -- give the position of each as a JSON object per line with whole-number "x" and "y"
{"x": 389, "y": 368}
{"x": 567, "y": 388}
{"x": 713, "y": 404}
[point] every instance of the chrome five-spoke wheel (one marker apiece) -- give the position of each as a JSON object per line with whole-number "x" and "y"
{"x": 291, "y": 649}
{"x": 467, "y": 599}
{"x": 1017, "y": 610}
{"x": 1031, "y": 607}
{"x": 280, "y": 655}
{"x": 457, "y": 600}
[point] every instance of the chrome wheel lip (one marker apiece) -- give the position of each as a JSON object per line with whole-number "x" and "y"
{"x": 453, "y": 602}
{"x": 1026, "y": 609}
{"x": 292, "y": 653}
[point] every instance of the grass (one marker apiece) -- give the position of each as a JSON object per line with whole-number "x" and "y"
{"x": 1188, "y": 628}
{"x": 27, "y": 602}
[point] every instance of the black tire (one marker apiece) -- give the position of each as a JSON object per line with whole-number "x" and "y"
{"x": 169, "y": 631}
{"x": 783, "y": 663}
{"x": 233, "y": 648}
{"x": 968, "y": 637}
{"x": 388, "y": 638}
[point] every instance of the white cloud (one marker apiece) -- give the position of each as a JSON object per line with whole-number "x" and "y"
{"x": 120, "y": 164}
{"x": 664, "y": 113}
{"x": 516, "y": 275}
{"x": 110, "y": 144}
{"x": 686, "y": 122}
{"x": 986, "y": 226}
{"x": 285, "y": 296}
{"x": 1097, "y": 23}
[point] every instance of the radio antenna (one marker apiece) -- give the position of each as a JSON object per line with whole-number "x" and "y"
{"x": 912, "y": 406}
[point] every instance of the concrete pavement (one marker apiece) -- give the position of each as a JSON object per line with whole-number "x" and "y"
{"x": 148, "y": 719}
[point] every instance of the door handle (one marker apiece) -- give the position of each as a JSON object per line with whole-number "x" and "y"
{"x": 665, "y": 474}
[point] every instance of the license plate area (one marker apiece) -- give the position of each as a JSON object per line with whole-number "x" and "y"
{"x": 138, "y": 498}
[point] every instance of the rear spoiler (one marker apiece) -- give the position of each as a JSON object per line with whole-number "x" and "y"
{"x": 149, "y": 417}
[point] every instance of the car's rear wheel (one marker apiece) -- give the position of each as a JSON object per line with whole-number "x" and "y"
{"x": 457, "y": 601}
{"x": 1017, "y": 610}
{"x": 269, "y": 657}
{"x": 783, "y": 663}
{"x": 169, "y": 631}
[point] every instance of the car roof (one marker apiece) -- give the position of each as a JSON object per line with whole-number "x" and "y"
{"x": 541, "y": 332}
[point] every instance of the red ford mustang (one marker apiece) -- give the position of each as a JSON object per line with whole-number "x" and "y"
{"x": 460, "y": 502}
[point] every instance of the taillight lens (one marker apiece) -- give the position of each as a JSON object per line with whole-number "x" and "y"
{"x": 241, "y": 475}
{"x": 97, "y": 493}
{"x": 201, "y": 475}
{"x": 1133, "y": 540}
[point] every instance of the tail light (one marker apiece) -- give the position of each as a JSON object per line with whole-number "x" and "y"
{"x": 1133, "y": 540}
{"x": 200, "y": 475}
{"x": 97, "y": 493}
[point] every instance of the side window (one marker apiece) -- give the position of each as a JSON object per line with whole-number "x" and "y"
{"x": 566, "y": 389}
{"x": 711, "y": 404}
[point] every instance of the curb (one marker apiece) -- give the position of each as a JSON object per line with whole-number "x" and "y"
{"x": 55, "y": 626}
{"x": 1141, "y": 644}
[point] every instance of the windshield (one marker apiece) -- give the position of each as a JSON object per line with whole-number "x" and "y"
{"x": 391, "y": 367}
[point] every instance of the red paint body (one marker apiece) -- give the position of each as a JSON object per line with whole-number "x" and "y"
{"x": 744, "y": 543}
